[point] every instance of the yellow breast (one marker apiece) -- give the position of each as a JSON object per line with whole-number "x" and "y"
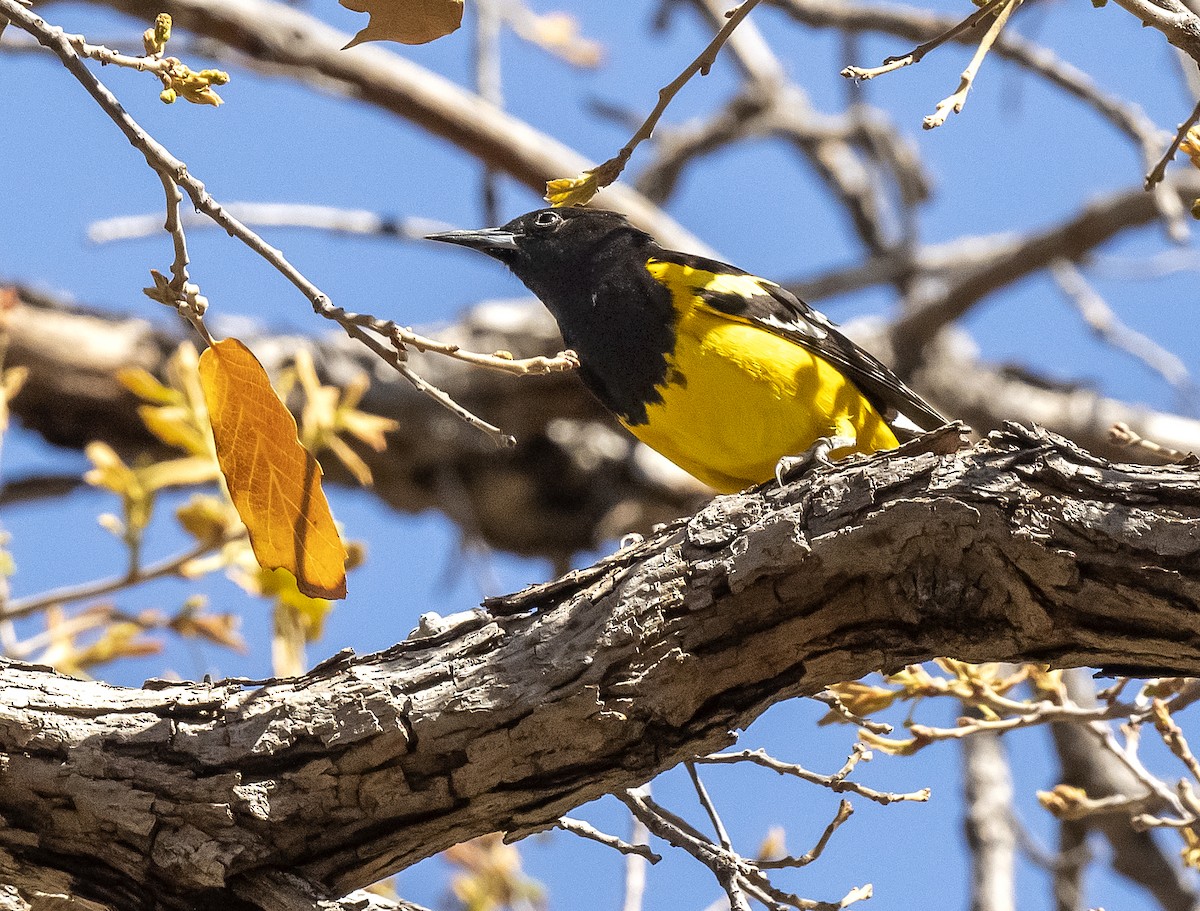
{"x": 738, "y": 397}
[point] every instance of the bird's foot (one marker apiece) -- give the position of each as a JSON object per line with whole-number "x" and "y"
{"x": 791, "y": 468}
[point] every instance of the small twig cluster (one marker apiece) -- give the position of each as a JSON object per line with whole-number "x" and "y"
{"x": 985, "y": 690}
{"x": 998, "y": 10}
{"x": 744, "y": 879}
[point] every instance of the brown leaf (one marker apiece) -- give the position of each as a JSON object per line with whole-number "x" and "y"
{"x": 406, "y": 21}
{"x": 274, "y": 482}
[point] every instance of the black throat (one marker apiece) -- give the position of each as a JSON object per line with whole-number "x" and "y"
{"x": 613, "y": 313}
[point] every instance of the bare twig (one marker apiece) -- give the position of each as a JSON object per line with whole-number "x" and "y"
{"x": 833, "y": 701}
{"x": 1123, "y": 435}
{"x": 179, "y": 272}
{"x": 1173, "y": 737}
{"x": 844, "y": 812}
{"x": 834, "y": 145}
{"x": 1070, "y": 239}
{"x": 954, "y": 102}
{"x": 709, "y": 807}
{"x": 1101, "y": 319}
{"x": 275, "y": 215}
{"x": 917, "y": 54}
{"x": 587, "y": 830}
{"x": 280, "y": 38}
{"x": 724, "y": 864}
{"x": 605, "y": 174}
{"x": 1159, "y": 171}
{"x": 924, "y": 25}
{"x": 836, "y": 782}
{"x": 920, "y": 25}
{"x": 168, "y": 566}
{"x": 738, "y": 876}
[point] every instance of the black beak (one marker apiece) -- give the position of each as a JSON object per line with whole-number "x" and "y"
{"x": 486, "y": 240}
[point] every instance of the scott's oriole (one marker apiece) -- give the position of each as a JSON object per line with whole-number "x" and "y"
{"x": 722, "y": 372}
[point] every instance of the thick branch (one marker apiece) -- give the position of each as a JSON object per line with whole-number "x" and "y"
{"x": 1022, "y": 549}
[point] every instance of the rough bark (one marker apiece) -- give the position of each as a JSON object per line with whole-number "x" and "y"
{"x": 185, "y": 795}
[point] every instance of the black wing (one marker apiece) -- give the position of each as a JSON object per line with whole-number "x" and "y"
{"x": 779, "y": 311}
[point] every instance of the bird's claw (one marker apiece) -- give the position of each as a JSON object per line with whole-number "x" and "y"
{"x": 791, "y": 468}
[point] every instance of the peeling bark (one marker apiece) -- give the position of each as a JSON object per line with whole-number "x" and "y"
{"x": 178, "y": 795}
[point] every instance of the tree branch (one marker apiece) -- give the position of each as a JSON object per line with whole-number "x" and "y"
{"x": 1071, "y": 239}
{"x": 1135, "y": 855}
{"x": 1019, "y": 549}
{"x": 286, "y": 39}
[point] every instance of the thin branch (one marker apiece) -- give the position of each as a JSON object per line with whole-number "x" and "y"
{"x": 833, "y": 701}
{"x": 402, "y": 337}
{"x": 275, "y": 215}
{"x": 922, "y": 25}
{"x": 917, "y": 54}
{"x": 836, "y": 782}
{"x": 1159, "y": 171}
{"x": 169, "y": 566}
{"x": 844, "y": 812}
{"x": 724, "y": 864}
{"x": 586, "y": 830}
{"x": 39, "y": 487}
{"x": 1101, "y": 319}
{"x": 709, "y": 807}
{"x": 737, "y": 875}
{"x": 1122, "y": 434}
{"x": 282, "y": 39}
{"x": 606, "y": 173}
{"x": 1174, "y": 738}
{"x": 954, "y": 102}
{"x": 170, "y": 167}
{"x": 179, "y": 272}
{"x": 833, "y": 145}
{"x": 1069, "y": 239}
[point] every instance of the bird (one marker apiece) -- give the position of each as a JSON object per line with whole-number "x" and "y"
{"x": 730, "y": 376}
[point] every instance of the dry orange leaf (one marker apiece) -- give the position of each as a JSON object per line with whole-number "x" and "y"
{"x": 274, "y": 482}
{"x": 406, "y": 21}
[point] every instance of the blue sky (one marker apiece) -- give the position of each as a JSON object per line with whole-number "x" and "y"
{"x": 1020, "y": 155}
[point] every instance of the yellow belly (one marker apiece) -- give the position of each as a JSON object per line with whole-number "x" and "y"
{"x": 738, "y": 398}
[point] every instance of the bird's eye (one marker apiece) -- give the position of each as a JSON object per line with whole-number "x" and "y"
{"x": 546, "y": 220}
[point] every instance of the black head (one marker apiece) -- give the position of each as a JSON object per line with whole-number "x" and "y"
{"x": 551, "y": 243}
{"x": 588, "y": 266}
